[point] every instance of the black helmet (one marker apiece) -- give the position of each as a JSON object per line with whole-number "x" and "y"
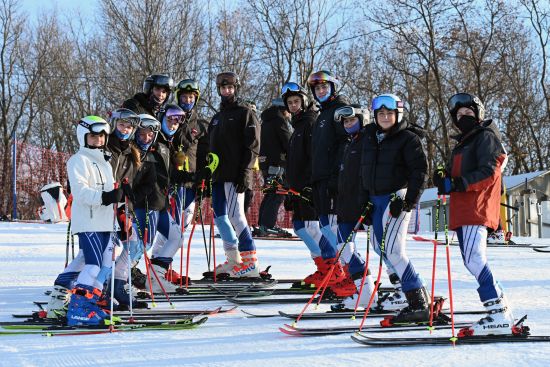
{"x": 227, "y": 78}
{"x": 160, "y": 80}
{"x": 466, "y": 100}
{"x": 294, "y": 89}
{"x": 187, "y": 86}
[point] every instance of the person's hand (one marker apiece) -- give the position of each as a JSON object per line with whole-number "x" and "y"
{"x": 182, "y": 177}
{"x": 111, "y": 197}
{"x": 367, "y": 211}
{"x": 398, "y": 205}
{"x": 242, "y": 182}
{"x": 127, "y": 190}
{"x": 307, "y": 193}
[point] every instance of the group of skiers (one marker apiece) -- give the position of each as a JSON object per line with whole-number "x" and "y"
{"x": 344, "y": 167}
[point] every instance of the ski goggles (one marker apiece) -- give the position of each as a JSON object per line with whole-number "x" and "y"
{"x": 462, "y": 100}
{"x": 387, "y": 102}
{"x": 347, "y": 112}
{"x": 175, "y": 118}
{"x": 125, "y": 115}
{"x": 149, "y": 123}
{"x": 291, "y": 87}
{"x": 320, "y": 77}
{"x": 96, "y": 128}
{"x": 188, "y": 85}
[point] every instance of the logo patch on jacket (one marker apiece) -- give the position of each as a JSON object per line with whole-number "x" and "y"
{"x": 215, "y": 122}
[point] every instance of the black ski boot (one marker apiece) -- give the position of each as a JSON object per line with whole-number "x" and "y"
{"x": 418, "y": 309}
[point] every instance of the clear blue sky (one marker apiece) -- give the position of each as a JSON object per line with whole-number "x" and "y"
{"x": 64, "y": 7}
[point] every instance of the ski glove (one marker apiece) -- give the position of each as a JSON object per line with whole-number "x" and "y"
{"x": 111, "y": 197}
{"x": 307, "y": 193}
{"x": 398, "y": 205}
{"x": 367, "y": 210}
{"x": 204, "y": 174}
{"x": 242, "y": 182}
{"x": 128, "y": 192}
{"x": 439, "y": 176}
{"x": 450, "y": 184}
{"x": 182, "y": 177}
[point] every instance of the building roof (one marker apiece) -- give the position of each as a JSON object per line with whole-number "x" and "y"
{"x": 510, "y": 182}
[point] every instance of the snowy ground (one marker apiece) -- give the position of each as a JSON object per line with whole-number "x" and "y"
{"x": 31, "y": 255}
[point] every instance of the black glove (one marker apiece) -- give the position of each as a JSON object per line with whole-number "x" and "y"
{"x": 128, "y": 192}
{"x": 439, "y": 176}
{"x": 111, "y": 197}
{"x": 367, "y": 210}
{"x": 182, "y": 177}
{"x": 288, "y": 203}
{"x": 242, "y": 182}
{"x": 398, "y": 205}
{"x": 204, "y": 174}
{"x": 307, "y": 193}
{"x": 448, "y": 185}
{"x": 206, "y": 192}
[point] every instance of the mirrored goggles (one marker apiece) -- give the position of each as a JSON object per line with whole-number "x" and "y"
{"x": 153, "y": 125}
{"x": 291, "y": 87}
{"x": 387, "y": 102}
{"x": 175, "y": 118}
{"x": 320, "y": 77}
{"x": 188, "y": 85}
{"x": 97, "y": 127}
{"x": 347, "y": 112}
{"x": 461, "y": 100}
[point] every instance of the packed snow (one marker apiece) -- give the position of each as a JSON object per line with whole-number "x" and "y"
{"x": 32, "y": 255}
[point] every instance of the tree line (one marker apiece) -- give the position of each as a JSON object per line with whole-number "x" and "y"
{"x": 64, "y": 66}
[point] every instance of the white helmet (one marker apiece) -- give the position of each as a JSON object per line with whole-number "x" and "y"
{"x": 91, "y": 124}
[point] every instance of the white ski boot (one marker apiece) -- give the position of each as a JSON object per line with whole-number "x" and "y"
{"x": 58, "y": 303}
{"x": 499, "y": 320}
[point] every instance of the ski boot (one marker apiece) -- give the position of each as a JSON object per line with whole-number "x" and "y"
{"x": 139, "y": 280}
{"x": 174, "y": 277}
{"x": 418, "y": 309}
{"x": 158, "y": 278}
{"x": 392, "y": 301}
{"x": 83, "y": 310}
{"x": 348, "y": 304}
{"x": 496, "y": 238}
{"x": 57, "y": 305}
{"x": 123, "y": 297}
{"x": 499, "y": 320}
{"x": 316, "y": 278}
{"x": 249, "y": 267}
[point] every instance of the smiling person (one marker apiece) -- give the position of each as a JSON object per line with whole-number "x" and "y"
{"x": 393, "y": 173}
{"x": 327, "y": 148}
{"x": 234, "y": 134}
{"x": 473, "y": 178}
{"x": 157, "y": 89}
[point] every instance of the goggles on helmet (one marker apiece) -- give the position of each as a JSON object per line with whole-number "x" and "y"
{"x": 96, "y": 128}
{"x": 347, "y": 112}
{"x": 125, "y": 115}
{"x": 291, "y": 87}
{"x": 152, "y": 124}
{"x": 387, "y": 102}
{"x": 188, "y": 85}
{"x": 462, "y": 100}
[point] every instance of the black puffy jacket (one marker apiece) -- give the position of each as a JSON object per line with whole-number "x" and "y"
{"x": 397, "y": 162}
{"x": 139, "y": 103}
{"x": 234, "y": 134}
{"x": 348, "y": 206}
{"x": 147, "y": 192}
{"x": 298, "y": 165}
{"x": 275, "y": 135}
{"x": 328, "y": 139}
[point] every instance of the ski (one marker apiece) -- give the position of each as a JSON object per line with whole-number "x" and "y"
{"x": 416, "y": 341}
{"x": 359, "y": 314}
{"x": 302, "y": 332}
{"x": 66, "y": 330}
{"x": 289, "y": 300}
{"x": 510, "y": 244}
{"x": 40, "y": 324}
{"x": 539, "y": 249}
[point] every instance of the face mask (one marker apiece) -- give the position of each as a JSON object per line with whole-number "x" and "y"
{"x": 353, "y": 129}
{"x": 187, "y": 106}
{"x": 122, "y": 136}
{"x": 466, "y": 124}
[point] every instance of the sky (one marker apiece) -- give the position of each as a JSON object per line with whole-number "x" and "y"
{"x": 65, "y": 7}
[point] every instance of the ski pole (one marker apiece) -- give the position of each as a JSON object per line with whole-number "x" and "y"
{"x": 130, "y": 289}
{"x": 377, "y": 284}
{"x": 331, "y": 270}
{"x": 437, "y": 208}
{"x": 145, "y": 257}
{"x": 365, "y": 273}
{"x": 449, "y": 279}
{"x": 67, "y": 249}
{"x": 213, "y": 237}
{"x": 115, "y": 207}
{"x": 182, "y": 223}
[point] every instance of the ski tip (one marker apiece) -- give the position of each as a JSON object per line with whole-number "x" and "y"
{"x": 288, "y": 332}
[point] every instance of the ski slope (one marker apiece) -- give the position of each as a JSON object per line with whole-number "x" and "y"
{"x": 31, "y": 255}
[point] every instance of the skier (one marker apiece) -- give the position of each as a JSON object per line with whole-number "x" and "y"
{"x": 348, "y": 209}
{"x": 94, "y": 194}
{"x": 157, "y": 89}
{"x": 276, "y": 132}
{"x": 298, "y": 174}
{"x": 234, "y": 134}
{"x": 473, "y": 179}
{"x": 124, "y": 162}
{"x": 327, "y": 148}
{"x": 188, "y": 150}
{"x": 393, "y": 173}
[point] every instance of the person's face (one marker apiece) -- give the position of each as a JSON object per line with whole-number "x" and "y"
{"x": 146, "y": 135}
{"x": 173, "y": 122}
{"x": 386, "y": 118}
{"x": 349, "y": 122}
{"x": 294, "y": 104}
{"x": 124, "y": 127}
{"x": 464, "y": 111}
{"x": 160, "y": 93}
{"x": 227, "y": 90}
{"x": 187, "y": 98}
{"x": 95, "y": 140}
{"x": 322, "y": 90}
